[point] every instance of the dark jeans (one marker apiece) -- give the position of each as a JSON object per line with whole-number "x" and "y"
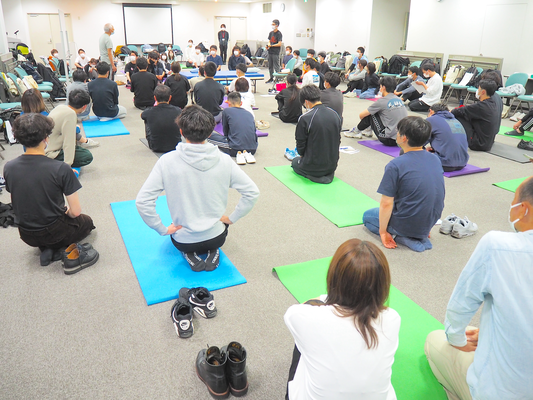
{"x": 450, "y": 169}
{"x": 292, "y": 370}
{"x": 296, "y": 166}
{"x": 377, "y": 127}
{"x": 202, "y": 247}
{"x": 418, "y": 105}
{"x": 411, "y": 96}
{"x": 82, "y": 157}
{"x": 353, "y": 85}
{"x": 62, "y": 233}
{"x": 273, "y": 64}
{"x": 223, "y": 52}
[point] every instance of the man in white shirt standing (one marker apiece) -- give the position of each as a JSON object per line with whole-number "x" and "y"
{"x": 106, "y": 48}
{"x": 433, "y": 89}
{"x": 495, "y": 361}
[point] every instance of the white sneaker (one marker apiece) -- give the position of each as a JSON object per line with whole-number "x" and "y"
{"x": 350, "y": 94}
{"x": 447, "y": 224}
{"x": 249, "y": 157}
{"x": 516, "y": 117}
{"x": 240, "y": 158}
{"x": 90, "y": 143}
{"x": 354, "y": 133}
{"x": 368, "y": 132}
{"x": 463, "y": 228}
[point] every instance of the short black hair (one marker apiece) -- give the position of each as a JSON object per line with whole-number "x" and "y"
{"x": 80, "y": 50}
{"x": 201, "y": 70}
{"x": 416, "y": 129}
{"x": 493, "y": 75}
{"x": 234, "y": 98}
{"x": 526, "y": 191}
{"x": 289, "y": 47}
{"x": 242, "y": 85}
{"x": 276, "y": 21}
{"x": 78, "y": 98}
{"x": 242, "y": 67}
{"x": 313, "y": 64}
{"x": 79, "y": 75}
{"x": 210, "y": 69}
{"x": 439, "y": 107}
{"x": 292, "y": 79}
{"x": 428, "y": 67}
{"x": 310, "y": 93}
{"x": 322, "y": 54}
{"x": 31, "y": 129}
{"x": 389, "y": 83}
{"x": 371, "y": 68}
{"x": 415, "y": 70}
{"x": 142, "y": 63}
{"x": 364, "y": 63}
{"x": 223, "y": 25}
{"x": 134, "y": 52}
{"x": 361, "y": 49}
{"x": 102, "y": 68}
{"x": 311, "y": 51}
{"x": 489, "y": 86}
{"x": 297, "y": 52}
{"x": 154, "y": 55}
{"x": 196, "y": 123}
{"x": 162, "y": 93}
{"x": 213, "y": 47}
{"x": 333, "y": 79}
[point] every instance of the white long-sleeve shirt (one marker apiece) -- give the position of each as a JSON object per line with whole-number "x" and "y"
{"x": 434, "y": 90}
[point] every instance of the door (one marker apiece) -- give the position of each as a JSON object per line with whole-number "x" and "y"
{"x": 237, "y": 28}
{"x": 44, "y": 32}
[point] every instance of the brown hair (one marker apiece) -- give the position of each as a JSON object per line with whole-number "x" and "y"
{"x": 358, "y": 284}
{"x": 32, "y": 101}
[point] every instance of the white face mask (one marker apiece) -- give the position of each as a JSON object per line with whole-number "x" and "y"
{"x": 197, "y": 51}
{"x": 516, "y": 220}
{"x": 222, "y": 29}
{"x": 274, "y": 27}
{"x": 320, "y": 59}
{"x": 426, "y": 75}
{"x": 288, "y": 53}
{"x": 237, "y": 53}
{"x": 359, "y": 55}
{"x": 410, "y": 76}
{"x": 190, "y": 44}
{"x": 133, "y": 58}
{"x": 82, "y": 55}
{"x": 164, "y": 58}
{"x": 477, "y": 95}
{"x": 55, "y": 55}
{"x": 213, "y": 53}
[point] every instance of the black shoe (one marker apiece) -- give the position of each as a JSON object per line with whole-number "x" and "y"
{"x": 211, "y": 369}
{"x": 514, "y": 133}
{"x": 181, "y": 315}
{"x": 213, "y": 260}
{"x": 236, "y": 368}
{"x": 201, "y": 300}
{"x": 525, "y": 145}
{"x": 196, "y": 263}
{"x": 46, "y": 256}
{"x": 270, "y": 80}
{"x": 69, "y": 249}
{"x": 79, "y": 259}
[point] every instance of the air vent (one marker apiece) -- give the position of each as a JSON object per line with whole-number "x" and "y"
{"x": 267, "y": 8}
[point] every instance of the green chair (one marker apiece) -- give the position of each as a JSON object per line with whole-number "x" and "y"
{"x": 134, "y": 48}
{"x": 45, "y": 96}
{"x": 279, "y": 76}
{"x": 177, "y": 49}
{"x": 42, "y": 87}
{"x": 516, "y": 78}
{"x": 303, "y": 53}
{"x": 5, "y": 106}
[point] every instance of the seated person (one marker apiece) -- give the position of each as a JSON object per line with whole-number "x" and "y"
{"x": 179, "y": 86}
{"x": 311, "y": 54}
{"x": 287, "y": 57}
{"x": 448, "y": 138}
{"x": 196, "y": 170}
{"x": 38, "y": 187}
{"x": 241, "y": 72}
{"x": 298, "y": 67}
{"x": 359, "y": 56}
{"x": 209, "y": 94}
{"x": 199, "y": 78}
{"x": 486, "y": 363}
{"x": 164, "y": 61}
{"x": 412, "y": 191}
{"x": 143, "y": 84}
{"x": 356, "y": 79}
{"x": 311, "y": 76}
{"x": 131, "y": 68}
{"x": 155, "y": 66}
{"x": 482, "y": 119}
{"x": 90, "y": 69}
{"x": 324, "y": 67}
{"x": 32, "y": 102}
{"x": 247, "y": 97}
{"x": 63, "y": 142}
{"x": 235, "y": 59}
{"x": 162, "y": 132}
{"x": 371, "y": 83}
{"x": 238, "y": 127}
{"x": 196, "y": 58}
{"x": 406, "y": 89}
{"x": 524, "y": 124}
{"x": 81, "y": 60}
{"x": 104, "y": 93}
{"x": 289, "y": 105}
{"x": 331, "y": 97}
{"x": 343, "y": 335}
{"x": 318, "y": 136}
{"x": 190, "y": 50}
{"x": 247, "y": 61}
{"x": 79, "y": 78}
{"x": 382, "y": 116}
{"x": 433, "y": 89}
{"x": 214, "y": 57}
{"x": 53, "y": 60}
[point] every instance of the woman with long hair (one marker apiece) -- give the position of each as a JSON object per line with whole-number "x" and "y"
{"x": 345, "y": 345}
{"x": 289, "y": 105}
{"x": 179, "y": 86}
{"x": 32, "y": 102}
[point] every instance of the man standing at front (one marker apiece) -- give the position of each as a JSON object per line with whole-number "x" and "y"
{"x": 106, "y": 48}
{"x": 274, "y": 38}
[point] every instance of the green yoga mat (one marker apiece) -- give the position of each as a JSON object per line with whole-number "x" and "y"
{"x": 411, "y": 375}
{"x": 511, "y": 185}
{"x": 528, "y": 136}
{"x": 339, "y": 202}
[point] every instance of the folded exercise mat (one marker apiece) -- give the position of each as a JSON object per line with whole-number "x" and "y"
{"x": 339, "y": 202}
{"x": 218, "y": 128}
{"x": 510, "y": 152}
{"x": 145, "y": 142}
{"x": 528, "y": 136}
{"x": 412, "y": 378}
{"x": 511, "y": 185}
{"x": 468, "y": 170}
{"x": 93, "y": 127}
{"x": 160, "y": 268}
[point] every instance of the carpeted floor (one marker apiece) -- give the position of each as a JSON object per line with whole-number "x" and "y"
{"x": 91, "y": 335}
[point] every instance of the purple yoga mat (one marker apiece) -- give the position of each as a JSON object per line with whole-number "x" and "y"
{"x": 469, "y": 169}
{"x": 219, "y": 129}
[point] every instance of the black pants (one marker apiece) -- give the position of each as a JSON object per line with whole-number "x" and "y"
{"x": 62, "y": 233}
{"x": 418, "y": 105}
{"x": 298, "y": 72}
{"x": 297, "y": 167}
{"x": 202, "y": 247}
{"x": 223, "y": 52}
{"x": 411, "y": 96}
{"x": 526, "y": 125}
{"x": 353, "y": 85}
{"x": 292, "y": 370}
{"x": 450, "y": 169}
{"x": 377, "y": 127}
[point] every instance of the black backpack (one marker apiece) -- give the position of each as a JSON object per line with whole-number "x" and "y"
{"x": 430, "y": 61}
{"x": 125, "y": 50}
{"x": 259, "y": 52}
{"x": 246, "y": 50}
{"x": 202, "y": 48}
{"x": 161, "y": 48}
{"x": 397, "y": 64}
{"x": 30, "y": 70}
{"x": 474, "y": 71}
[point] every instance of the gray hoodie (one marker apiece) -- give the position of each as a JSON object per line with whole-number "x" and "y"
{"x": 196, "y": 179}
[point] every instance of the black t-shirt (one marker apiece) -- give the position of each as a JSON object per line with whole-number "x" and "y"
{"x": 274, "y": 38}
{"x": 178, "y": 90}
{"x": 289, "y": 111}
{"x": 131, "y": 68}
{"x": 37, "y": 185}
{"x": 143, "y": 84}
{"x": 104, "y": 93}
{"x": 209, "y": 94}
{"x": 162, "y": 133}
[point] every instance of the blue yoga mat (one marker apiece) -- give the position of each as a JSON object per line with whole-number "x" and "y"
{"x": 160, "y": 268}
{"x": 96, "y": 128}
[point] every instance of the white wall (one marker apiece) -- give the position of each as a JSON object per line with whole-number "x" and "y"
{"x": 15, "y": 19}
{"x": 387, "y": 27}
{"x": 492, "y": 28}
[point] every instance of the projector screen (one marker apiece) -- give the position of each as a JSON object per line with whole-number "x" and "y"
{"x": 148, "y": 24}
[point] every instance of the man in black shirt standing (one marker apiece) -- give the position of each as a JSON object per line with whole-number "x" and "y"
{"x": 223, "y": 40}
{"x": 318, "y": 136}
{"x": 274, "y": 38}
{"x": 209, "y": 94}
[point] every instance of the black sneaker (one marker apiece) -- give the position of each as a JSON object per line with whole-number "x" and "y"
{"x": 201, "y": 300}
{"x": 79, "y": 259}
{"x": 182, "y": 317}
{"x": 270, "y": 80}
{"x": 514, "y": 133}
{"x": 196, "y": 263}
{"x": 69, "y": 249}
{"x": 525, "y": 145}
{"x": 212, "y": 260}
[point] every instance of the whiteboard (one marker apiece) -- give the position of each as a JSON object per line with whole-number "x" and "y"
{"x": 148, "y": 24}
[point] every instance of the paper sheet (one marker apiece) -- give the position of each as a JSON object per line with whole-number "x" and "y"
{"x": 466, "y": 78}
